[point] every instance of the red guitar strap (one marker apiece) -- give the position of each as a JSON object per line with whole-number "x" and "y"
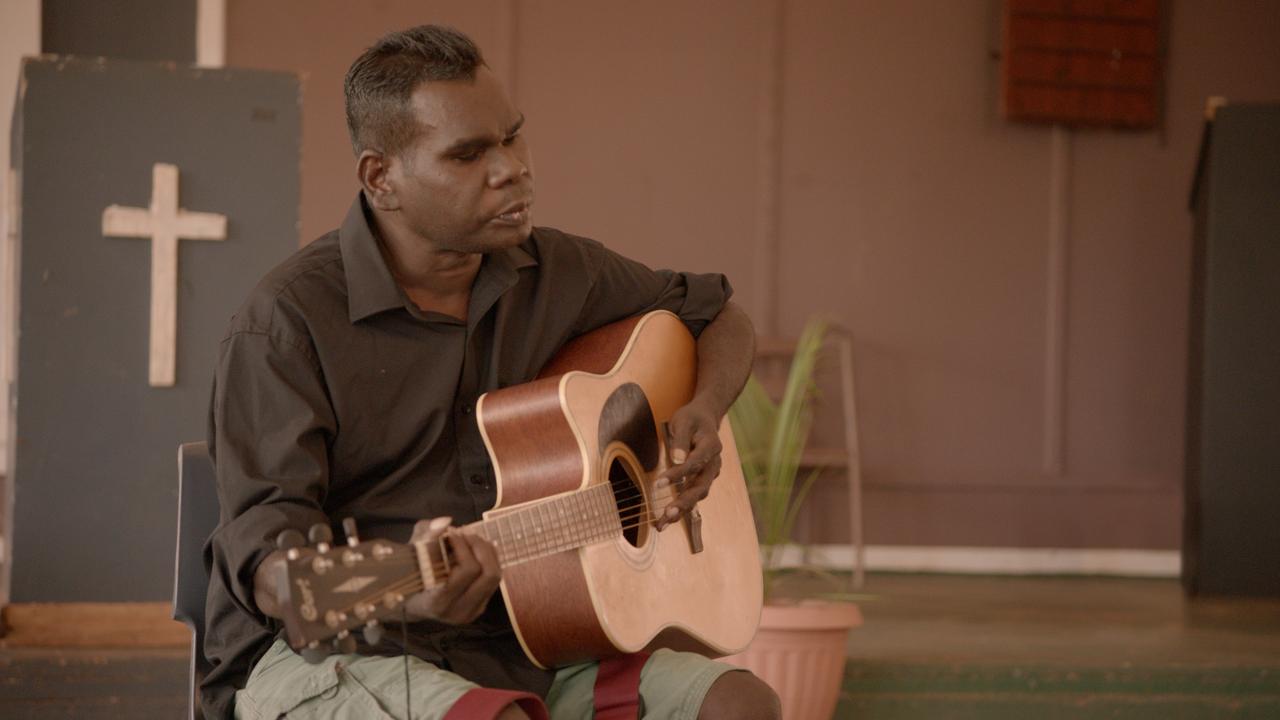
{"x": 617, "y": 692}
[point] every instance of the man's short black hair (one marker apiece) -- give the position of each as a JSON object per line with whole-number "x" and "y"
{"x": 380, "y": 82}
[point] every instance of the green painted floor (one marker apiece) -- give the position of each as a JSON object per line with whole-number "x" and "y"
{"x": 933, "y": 646}
{"x": 939, "y": 646}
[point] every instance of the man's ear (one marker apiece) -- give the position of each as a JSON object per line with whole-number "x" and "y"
{"x": 373, "y": 168}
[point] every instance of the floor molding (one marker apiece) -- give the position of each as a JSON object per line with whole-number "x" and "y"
{"x": 99, "y": 624}
{"x": 993, "y": 561}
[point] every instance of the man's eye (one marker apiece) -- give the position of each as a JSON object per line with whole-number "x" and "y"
{"x": 468, "y": 157}
{"x": 511, "y": 138}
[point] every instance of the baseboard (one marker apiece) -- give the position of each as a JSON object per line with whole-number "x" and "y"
{"x": 124, "y": 624}
{"x": 992, "y": 561}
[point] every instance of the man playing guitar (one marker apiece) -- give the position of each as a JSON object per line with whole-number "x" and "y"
{"x": 347, "y": 383}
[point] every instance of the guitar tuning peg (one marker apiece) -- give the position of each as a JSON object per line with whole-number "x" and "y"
{"x": 289, "y": 539}
{"x": 345, "y": 643}
{"x": 349, "y": 527}
{"x": 321, "y": 536}
{"x": 314, "y": 652}
{"x": 373, "y": 632}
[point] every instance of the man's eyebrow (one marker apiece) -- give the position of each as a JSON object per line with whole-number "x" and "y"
{"x": 473, "y": 144}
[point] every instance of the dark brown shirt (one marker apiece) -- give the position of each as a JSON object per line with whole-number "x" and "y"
{"x": 335, "y": 396}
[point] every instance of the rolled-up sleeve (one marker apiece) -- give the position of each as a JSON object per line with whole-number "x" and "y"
{"x": 270, "y": 427}
{"x": 621, "y": 287}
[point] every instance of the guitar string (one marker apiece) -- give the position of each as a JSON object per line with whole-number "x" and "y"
{"x": 627, "y": 522}
{"x": 415, "y": 583}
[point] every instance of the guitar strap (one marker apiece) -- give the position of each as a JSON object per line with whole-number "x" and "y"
{"x": 617, "y": 690}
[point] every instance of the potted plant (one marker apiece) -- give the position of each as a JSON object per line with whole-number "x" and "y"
{"x": 799, "y": 648}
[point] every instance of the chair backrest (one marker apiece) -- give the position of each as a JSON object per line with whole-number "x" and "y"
{"x": 197, "y": 518}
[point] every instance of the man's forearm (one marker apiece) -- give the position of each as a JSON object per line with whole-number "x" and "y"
{"x": 726, "y": 350}
{"x": 265, "y": 583}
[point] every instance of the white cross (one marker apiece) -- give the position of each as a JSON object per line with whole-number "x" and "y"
{"x": 164, "y": 223}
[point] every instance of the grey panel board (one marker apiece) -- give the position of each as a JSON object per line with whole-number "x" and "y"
{"x": 122, "y": 29}
{"x": 95, "y": 457}
{"x": 1235, "y": 422}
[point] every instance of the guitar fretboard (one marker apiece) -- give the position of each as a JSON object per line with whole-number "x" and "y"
{"x": 562, "y": 523}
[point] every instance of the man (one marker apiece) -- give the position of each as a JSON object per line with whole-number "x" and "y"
{"x": 346, "y": 387}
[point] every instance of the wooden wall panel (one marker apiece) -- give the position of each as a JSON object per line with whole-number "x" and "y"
{"x": 644, "y": 126}
{"x": 905, "y": 206}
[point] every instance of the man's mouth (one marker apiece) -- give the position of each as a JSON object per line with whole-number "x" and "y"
{"x": 514, "y": 214}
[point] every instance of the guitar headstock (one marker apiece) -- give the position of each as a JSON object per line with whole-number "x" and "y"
{"x": 327, "y": 591}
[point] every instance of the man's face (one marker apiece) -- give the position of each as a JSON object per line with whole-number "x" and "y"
{"x": 465, "y": 183}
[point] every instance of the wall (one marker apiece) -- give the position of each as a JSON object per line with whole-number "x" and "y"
{"x": 19, "y": 36}
{"x": 847, "y": 158}
{"x": 123, "y": 29}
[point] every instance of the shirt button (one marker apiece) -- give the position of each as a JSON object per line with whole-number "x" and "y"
{"x": 466, "y": 410}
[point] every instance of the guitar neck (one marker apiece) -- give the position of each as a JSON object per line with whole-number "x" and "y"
{"x": 547, "y": 527}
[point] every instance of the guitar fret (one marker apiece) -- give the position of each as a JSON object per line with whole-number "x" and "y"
{"x": 496, "y": 539}
{"x": 553, "y": 530}
{"x": 556, "y": 541}
{"x": 593, "y": 511}
{"x": 597, "y": 515}
{"x": 535, "y": 536}
{"x": 566, "y": 524}
{"x": 533, "y": 546}
{"x": 608, "y": 511}
{"x": 544, "y": 531}
{"x": 520, "y": 533}
{"x": 573, "y": 520}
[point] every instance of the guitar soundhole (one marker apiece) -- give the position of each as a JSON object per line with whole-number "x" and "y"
{"x": 630, "y": 499}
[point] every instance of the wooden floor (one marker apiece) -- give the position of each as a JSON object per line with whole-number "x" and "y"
{"x": 932, "y": 647}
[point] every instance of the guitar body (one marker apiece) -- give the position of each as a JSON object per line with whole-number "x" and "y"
{"x": 596, "y": 415}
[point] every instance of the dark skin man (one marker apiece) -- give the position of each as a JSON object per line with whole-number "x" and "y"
{"x": 461, "y": 188}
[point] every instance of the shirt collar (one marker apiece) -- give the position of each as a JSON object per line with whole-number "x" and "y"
{"x": 372, "y": 289}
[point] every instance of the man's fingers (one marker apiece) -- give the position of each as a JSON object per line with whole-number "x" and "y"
{"x": 476, "y": 596}
{"x": 704, "y": 451}
{"x": 474, "y": 580}
{"x": 678, "y": 440}
{"x": 465, "y": 567}
{"x": 693, "y": 492}
{"x": 474, "y": 573}
{"x": 429, "y": 530}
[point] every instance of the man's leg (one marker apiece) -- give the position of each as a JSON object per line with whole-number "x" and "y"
{"x": 676, "y": 685}
{"x": 740, "y": 695}
{"x": 356, "y": 686}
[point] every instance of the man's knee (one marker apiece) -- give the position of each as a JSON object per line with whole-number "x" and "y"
{"x": 740, "y": 695}
{"x": 513, "y": 712}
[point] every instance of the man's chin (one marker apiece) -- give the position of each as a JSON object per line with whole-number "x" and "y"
{"x": 498, "y": 238}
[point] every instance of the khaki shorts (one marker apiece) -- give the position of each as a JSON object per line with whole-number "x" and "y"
{"x": 672, "y": 685}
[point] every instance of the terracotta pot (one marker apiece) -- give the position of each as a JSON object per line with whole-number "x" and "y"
{"x": 800, "y": 651}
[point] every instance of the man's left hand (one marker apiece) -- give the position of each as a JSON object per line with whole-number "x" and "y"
{"x": 693, "y": 449}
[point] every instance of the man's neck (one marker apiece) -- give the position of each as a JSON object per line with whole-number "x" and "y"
{"x": 435, "y": 280}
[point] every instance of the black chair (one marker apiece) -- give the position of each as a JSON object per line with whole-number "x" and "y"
{"x": 197, "y": 518}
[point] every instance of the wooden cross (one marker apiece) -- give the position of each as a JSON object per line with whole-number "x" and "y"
{"x": 164, "y": 223}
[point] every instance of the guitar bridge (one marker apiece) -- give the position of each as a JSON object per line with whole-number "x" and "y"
{"x": 693, "y": 528}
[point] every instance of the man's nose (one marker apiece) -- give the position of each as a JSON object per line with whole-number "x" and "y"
{"x": 509, "y": 166}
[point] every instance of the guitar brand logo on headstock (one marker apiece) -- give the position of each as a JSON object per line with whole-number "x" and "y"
{"x": 355, "y": 584}
{"x": 308, "y": 608}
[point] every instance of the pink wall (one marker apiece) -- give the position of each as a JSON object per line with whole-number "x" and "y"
{"x": 847, "y": 159}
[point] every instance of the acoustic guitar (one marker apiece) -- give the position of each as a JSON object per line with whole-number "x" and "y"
{"x": 585, "y": 574}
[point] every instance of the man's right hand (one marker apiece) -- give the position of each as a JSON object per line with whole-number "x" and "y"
{"x": 473, "y": 576}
